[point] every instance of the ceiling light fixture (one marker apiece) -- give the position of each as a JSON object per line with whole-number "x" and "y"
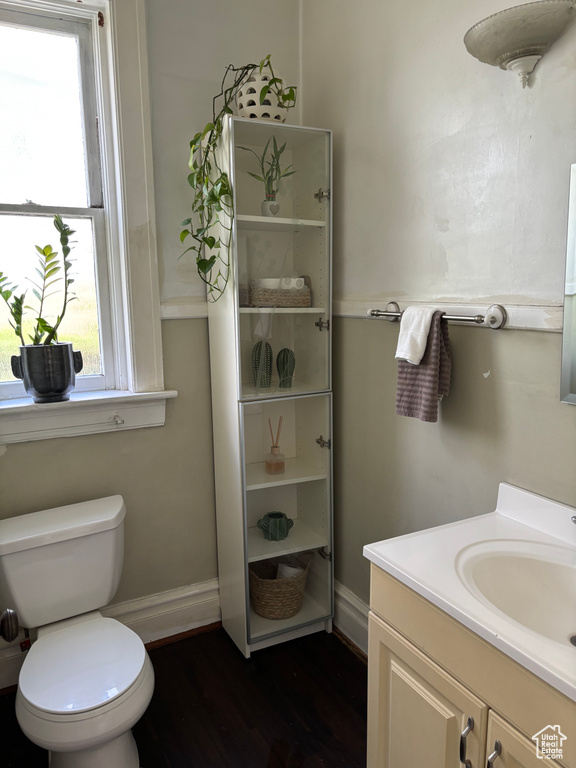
{"x": 517, "y": 38}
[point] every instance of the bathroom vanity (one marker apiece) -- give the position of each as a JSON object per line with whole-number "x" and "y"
{"x": 454, "y": 679}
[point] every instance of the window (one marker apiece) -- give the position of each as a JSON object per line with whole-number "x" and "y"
{"x": 51, "y": 161}
{"x": 73, "y": 85}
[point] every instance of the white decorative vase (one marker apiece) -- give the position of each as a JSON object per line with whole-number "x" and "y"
{"x": 248, "y": 100}
{"x": 269, "y": 206}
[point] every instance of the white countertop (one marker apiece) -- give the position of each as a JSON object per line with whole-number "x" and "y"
{"x": 428, "y": 563}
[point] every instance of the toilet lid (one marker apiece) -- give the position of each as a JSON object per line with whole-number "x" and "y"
{"x": 81, "y": 667}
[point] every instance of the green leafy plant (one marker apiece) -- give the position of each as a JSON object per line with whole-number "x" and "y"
{"x": 270, "y": 167}
{"x": 210, "y": 224}
{"x": 49, "y": 271}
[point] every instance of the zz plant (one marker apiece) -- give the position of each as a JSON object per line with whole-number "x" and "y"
{"x": 49, "y": 271}
{"x": 209, "y": 226}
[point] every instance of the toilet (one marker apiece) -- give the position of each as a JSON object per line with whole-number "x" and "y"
{"x": 87, "y": 679}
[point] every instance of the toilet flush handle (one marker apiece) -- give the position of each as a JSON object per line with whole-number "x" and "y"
{"x": 9, "y": 625}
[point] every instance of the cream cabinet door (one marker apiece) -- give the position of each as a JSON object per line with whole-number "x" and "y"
{"x": 416, "y": 711}
{"x": 508, "y": 748}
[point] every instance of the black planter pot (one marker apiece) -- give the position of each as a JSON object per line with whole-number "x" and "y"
{"x": 48, "y": 372}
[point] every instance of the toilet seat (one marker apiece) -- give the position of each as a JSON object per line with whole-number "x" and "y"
{"x": 91, "y": 729}
{"x": 81, "y": 666}
{"x": 98, "y": 666}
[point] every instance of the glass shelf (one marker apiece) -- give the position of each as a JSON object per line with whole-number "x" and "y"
{"x": 250, "y": 392}
{"x": 282, "y": 310}
{"x": 300, "y": 539}
{"x": 297, "y": 471}
{"x": 310, "y": 612}
{"x": 245, "y": 221}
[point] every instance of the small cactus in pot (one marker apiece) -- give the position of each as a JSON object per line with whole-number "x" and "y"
{"x": 262, "y": 364}
{"x": 285, "y": 364}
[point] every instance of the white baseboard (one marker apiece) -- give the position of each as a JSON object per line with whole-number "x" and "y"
{"x": 169, "y": 613}
{"x": 152, "y": 618}
{"x": 351, "y": 616}
{"x": 11, "y": 659}
{"x": 178, "y": 610}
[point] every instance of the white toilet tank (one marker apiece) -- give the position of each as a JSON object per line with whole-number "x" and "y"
{"x": 61, "y": 562}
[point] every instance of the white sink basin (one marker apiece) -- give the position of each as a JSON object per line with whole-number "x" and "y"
{"x": 509, "y": 576}
{"x": 533, "y": 584}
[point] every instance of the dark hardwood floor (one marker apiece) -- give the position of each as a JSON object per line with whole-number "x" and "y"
{"x": 300, "y": 704}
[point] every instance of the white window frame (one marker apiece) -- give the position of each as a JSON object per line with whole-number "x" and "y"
{"x": 95, "y": 101}
{"x": 138, "y": 398}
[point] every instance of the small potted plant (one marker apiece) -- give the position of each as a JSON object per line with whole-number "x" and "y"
{"x": 47, "y": 367}
{"x": 271, "y": 172}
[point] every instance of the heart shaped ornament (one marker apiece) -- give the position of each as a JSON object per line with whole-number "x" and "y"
{"x": 270, "y": 208}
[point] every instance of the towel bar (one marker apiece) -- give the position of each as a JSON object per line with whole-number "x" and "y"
{"x": 495, "y": 316}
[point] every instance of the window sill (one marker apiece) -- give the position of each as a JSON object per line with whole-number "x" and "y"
{"x": 86, "y": 413}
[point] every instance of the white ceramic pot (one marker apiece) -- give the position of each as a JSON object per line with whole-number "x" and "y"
{"x": 248, "y": 100}
{"x": 269, "y": 206}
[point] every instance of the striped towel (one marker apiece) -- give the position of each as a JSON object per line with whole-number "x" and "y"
{"x": 421, "y": 386}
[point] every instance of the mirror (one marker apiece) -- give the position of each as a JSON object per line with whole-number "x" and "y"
{"x": 568, "y": 374}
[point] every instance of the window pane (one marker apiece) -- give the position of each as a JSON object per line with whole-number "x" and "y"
{"x": 41, "y": 132}
{"x": 18, "y": 261}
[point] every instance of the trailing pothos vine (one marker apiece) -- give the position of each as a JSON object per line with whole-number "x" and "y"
{"x": 210, "y": 224}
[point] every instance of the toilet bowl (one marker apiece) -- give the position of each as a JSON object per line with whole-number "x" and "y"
{"x": 82, "y": 687}
{"x": 87, "y": 679}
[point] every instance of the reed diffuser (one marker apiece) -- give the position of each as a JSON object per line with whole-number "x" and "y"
{"x": 274, "y": 462}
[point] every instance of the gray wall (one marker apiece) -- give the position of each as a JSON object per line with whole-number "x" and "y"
{"x": 451, "y": 181}
{"x": 165, "y": 475}
{"x": 190, "y": 45}
{"x": 451, "y": 184}
{"x": 502, "y": 422}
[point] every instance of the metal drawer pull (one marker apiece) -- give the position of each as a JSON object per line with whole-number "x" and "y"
{"x": 494, "y": 755}
{"x": 469, "y": 726}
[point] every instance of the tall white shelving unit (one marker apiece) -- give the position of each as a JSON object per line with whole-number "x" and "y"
{"x": 297, "y": 243}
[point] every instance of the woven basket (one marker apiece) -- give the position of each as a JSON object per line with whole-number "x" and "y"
{"x": 275, "y": 598}
{"x": 244, "y": 296}
{"x": 280, "y": 297}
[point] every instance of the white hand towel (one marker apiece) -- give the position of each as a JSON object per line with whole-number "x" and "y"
{"x": 413, "y": 336}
